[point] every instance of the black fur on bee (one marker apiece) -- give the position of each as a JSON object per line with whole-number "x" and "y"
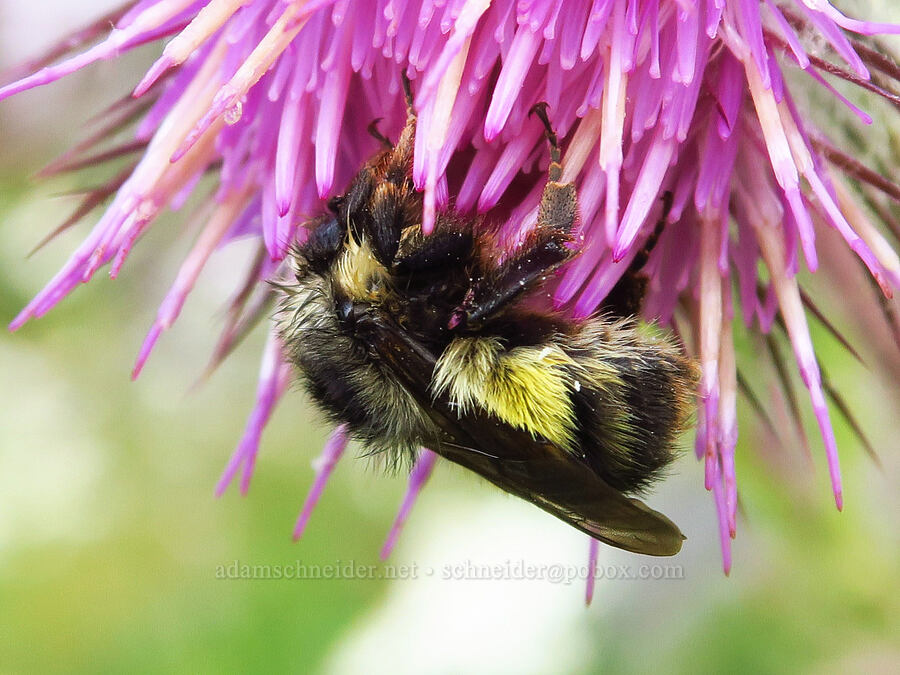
{"x": 415, "y": 340}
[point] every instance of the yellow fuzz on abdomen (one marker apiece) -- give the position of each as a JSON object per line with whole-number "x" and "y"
{"x": 526, "y": 387}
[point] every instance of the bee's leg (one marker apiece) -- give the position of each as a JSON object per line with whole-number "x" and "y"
{"x": 627, "y": 296}
{"x": 382, "y": 201}
{"x": 555, "y": 170}
{"x": 546, "y": 247}
{"x": 539, "y": 255}
{"x": 559, "y": 205}
{"x": 398, "y": 163}
{"x": 447, "y": 246}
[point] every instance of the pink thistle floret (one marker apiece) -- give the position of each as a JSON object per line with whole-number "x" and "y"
{"x": 695, "y": 99}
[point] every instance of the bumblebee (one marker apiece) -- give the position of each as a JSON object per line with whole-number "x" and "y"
{"x": 415, "y": 340}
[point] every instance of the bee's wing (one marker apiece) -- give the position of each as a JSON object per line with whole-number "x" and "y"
{"x": 553, "y": 479}
{"x": 561, "y": 484}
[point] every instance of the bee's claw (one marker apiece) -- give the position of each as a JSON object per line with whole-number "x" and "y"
{"x": 377, "y": 135}
{"x": 540, "y": 109}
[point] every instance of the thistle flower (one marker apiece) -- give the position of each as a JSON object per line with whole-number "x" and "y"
{"x": 272, "y": 98}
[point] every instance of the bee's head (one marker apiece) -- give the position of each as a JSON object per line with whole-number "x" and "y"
{"x": 337, "y": 253}
{"x": 327, "y": 238}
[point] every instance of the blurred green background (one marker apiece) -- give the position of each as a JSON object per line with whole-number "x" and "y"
{"x": 110, "y": 537}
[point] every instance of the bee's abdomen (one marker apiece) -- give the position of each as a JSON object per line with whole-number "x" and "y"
{"x": 635, "y": 406}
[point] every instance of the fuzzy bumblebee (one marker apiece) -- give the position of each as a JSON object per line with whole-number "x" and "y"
{"x": 415, "y": 340}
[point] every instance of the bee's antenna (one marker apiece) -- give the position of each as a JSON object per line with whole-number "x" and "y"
{"x": 408, "y": 95}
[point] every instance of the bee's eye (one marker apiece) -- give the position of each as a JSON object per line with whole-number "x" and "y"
{"x": 344, "y": 310}
{"x": 334, "y": 204}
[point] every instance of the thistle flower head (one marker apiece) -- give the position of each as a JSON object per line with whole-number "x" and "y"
{"x": 697, "y": 99}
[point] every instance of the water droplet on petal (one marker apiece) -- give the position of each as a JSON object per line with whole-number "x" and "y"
{"x": 145, "y": 210}
{"x": 233, "y": 114}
